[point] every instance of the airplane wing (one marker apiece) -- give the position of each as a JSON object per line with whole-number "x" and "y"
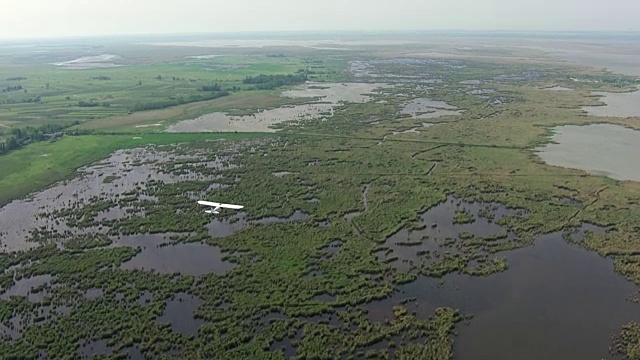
{"x": 215, "y": 204}
{"x": 230, "y": 206}
{"x": 208, "y": 203}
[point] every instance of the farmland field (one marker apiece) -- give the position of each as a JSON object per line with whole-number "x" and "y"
{"x": 397, "y": 202}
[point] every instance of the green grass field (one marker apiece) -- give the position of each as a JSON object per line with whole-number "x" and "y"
{"x": 50, "y": 93}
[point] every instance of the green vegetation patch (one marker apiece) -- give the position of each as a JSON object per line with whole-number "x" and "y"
{"x": 463, "y": 217}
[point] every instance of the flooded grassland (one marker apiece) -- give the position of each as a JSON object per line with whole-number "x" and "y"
{"x": 102, "y": 194}
{"x": 324, "y": 98}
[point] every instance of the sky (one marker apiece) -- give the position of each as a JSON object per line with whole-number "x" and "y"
{"x": 59, "y": 18}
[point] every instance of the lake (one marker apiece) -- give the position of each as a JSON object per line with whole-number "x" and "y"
{"x": 618, "y": 104}
{"x": 600, "y": 149}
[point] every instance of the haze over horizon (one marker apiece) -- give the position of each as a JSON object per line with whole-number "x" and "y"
{"x": 70, "y": 18}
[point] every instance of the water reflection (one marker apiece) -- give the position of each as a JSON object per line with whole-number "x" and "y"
{"x": 229, "y": 226}
{"x": 558, "y": 88}
{"x": 327, "y": 96}
{"x": 436, "y": 234}
{"x": 590, "y": 148}
{"x": 179, "y": 313}
{"x": 93, "y": 294}
{"x": 90, "y": 349}
{"x": 296, "y": 216}
{"x": 287, "y": 346}
{"x": 25, "y": 287}
{"x": 425, "y": 108}
{"x": 556, "y": 301}
{"x": 617, "y": 104}
{"x": 188, "y": 259}
{"x": 225, "y": 227}
{"x": 104, "y": 182}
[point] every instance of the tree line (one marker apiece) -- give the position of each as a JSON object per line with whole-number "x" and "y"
{"x": 213, "y": 87}
{"x": 13, "y": 88}
{"x": 156, "y": 105}
{"x": 270, "y": 82}
{"x": 29, "y": 134}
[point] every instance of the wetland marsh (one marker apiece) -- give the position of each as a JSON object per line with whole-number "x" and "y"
{"x": 571, "y": 301}
{"x": 367, "y": 232}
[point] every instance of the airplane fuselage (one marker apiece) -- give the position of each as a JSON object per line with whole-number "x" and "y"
{"x": 215, "y": 207}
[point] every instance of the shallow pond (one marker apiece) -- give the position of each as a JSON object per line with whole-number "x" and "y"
{"x": 229, "y": 226}
{"x": 617, "y": 104}
{"x": 14, "y": 330}
{"x": 225, "y": 227}
{"x": 93, "y": 294}
{"x": 90, "y": 349}
{"x": 556, "y": 301}
{"x": 16, "y": 324}
{"x": 142, "y": 240}
{"x": 327, "y": 95}
{"x": 179, "y": 313}
{"x": 335, "y": 93}
{"x": 436, "y": 234}
{"x": 332, "y": 249}
{"x": 25, "y": 287}
{"x": 188, "y": 259}
{"x": 600, "y": 149}
{"x": 296, "y": 216}
{"x": 261, "y": 121}
{"x": 558, "y": 88}
{"x": 90, "y": 62}
{"x": 424, "y": 108}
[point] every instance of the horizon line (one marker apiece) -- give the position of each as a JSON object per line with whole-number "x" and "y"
{"x": 343, "y": 31}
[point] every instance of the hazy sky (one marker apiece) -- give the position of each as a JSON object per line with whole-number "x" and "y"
{"x": 44, "y": 18}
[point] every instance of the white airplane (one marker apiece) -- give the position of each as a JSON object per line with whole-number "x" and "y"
{"x": 217, "y": 206}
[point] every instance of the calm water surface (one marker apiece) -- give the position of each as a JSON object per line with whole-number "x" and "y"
{"x": 617, "y": 104}
{"x": 556, "y": 301}
{"x": 600, "y": 149}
